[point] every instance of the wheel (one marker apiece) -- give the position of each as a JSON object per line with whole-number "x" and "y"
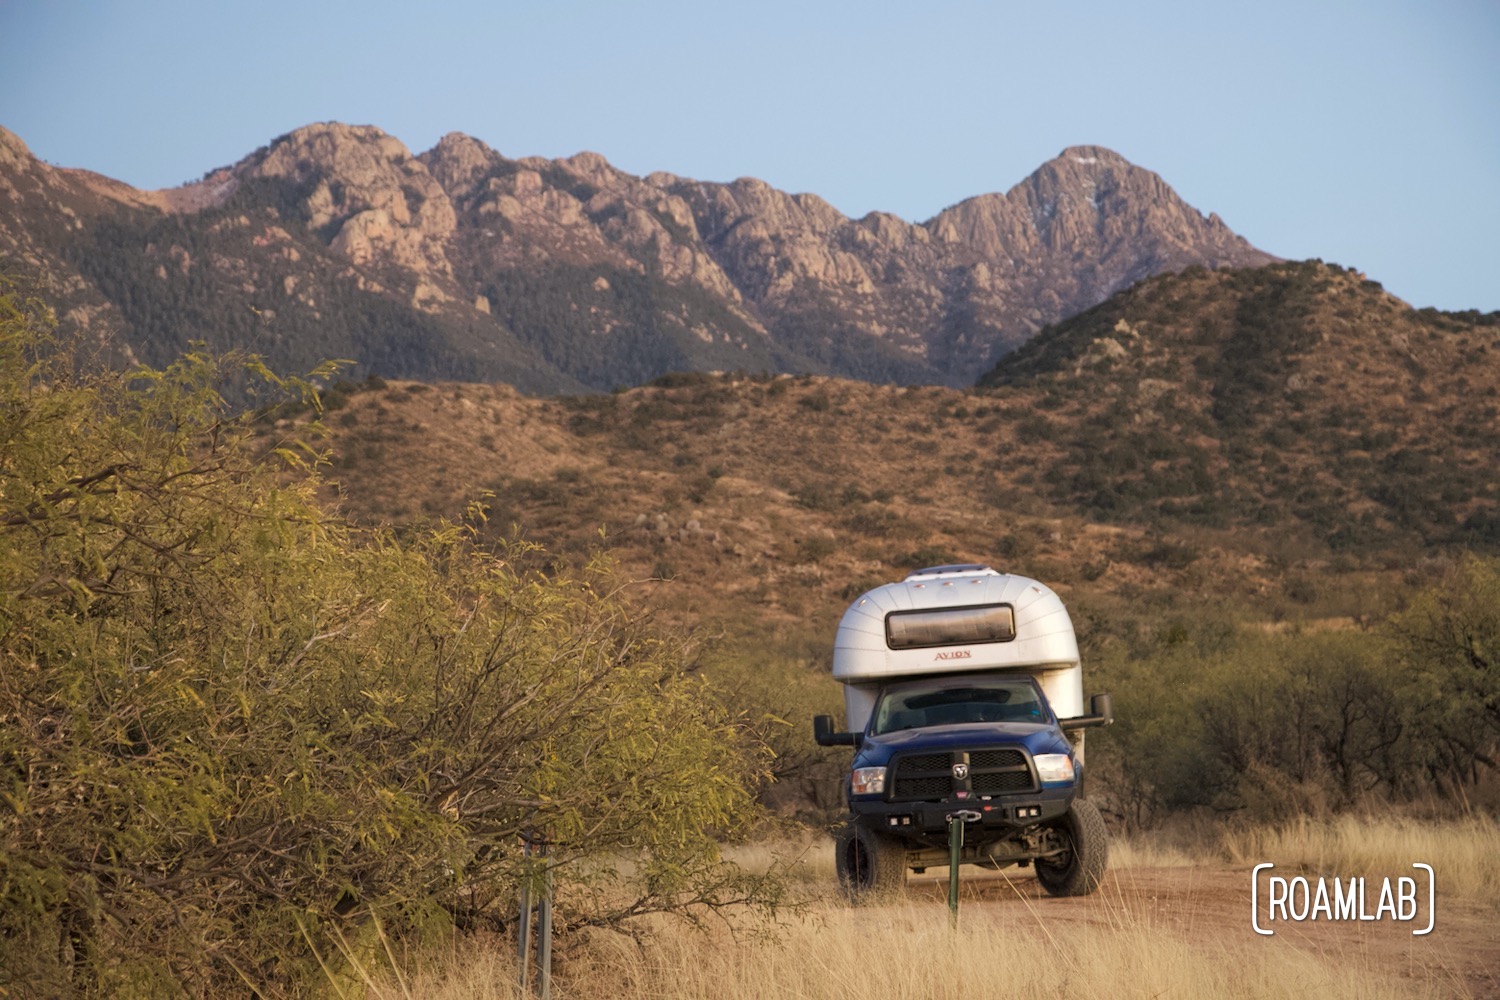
{"x": 869, "y": 864}
{"x": 1079, "y": 870}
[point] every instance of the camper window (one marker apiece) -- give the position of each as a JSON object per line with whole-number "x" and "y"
{"x": 950, "y": 626}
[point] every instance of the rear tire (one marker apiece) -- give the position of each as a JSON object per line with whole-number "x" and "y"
{"x": 869, "y": 864}
{"x": 1080, "y": 870}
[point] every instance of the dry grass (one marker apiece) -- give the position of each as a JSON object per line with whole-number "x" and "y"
{"x": 472, "y": 969}
{"x": 1464, "y": 854}
{"x": 907, "y": 950}
{"x": 1145, "y": 851}
{"x": 1122, "y": 942}
{"x": 808, "y": 857}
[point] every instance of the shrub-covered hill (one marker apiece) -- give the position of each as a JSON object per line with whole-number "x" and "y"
{"x": 1299, "y": 393}
{"x": 1213, "y": 432}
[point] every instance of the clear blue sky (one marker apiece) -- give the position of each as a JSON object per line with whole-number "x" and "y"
{"x": 1366, "y": 133}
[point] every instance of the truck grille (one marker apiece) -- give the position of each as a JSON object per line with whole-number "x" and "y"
{"x": 928, "y": 777}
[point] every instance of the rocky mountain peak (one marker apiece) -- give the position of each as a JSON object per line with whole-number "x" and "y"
{"x": 334, "y": 145}
{"x": 14, "y": 154}
{"x": 379, "y": 203}
{"x": 1093, "y": 201}
{"x": 591, "y": 167}
{"x": 1096, "y": 181}
{"x": 1093, "y": 156}
{"x": 662, "y": 179}
{"x": 459, "y": 162}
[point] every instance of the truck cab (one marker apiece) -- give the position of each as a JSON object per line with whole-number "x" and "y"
{"x": 963, "y": 696}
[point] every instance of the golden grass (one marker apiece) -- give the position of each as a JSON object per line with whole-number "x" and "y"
{"x": 1464, "y": 854}
{"x": 1121, "y": 942}
{"x": 906, "y": 951}
{"x": 808, "y": 857}
{"x": 471, "y": 970}
{"x": 1144, "y": 851}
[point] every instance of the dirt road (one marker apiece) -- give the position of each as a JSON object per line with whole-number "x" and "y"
{"x": 1212, "y": 904}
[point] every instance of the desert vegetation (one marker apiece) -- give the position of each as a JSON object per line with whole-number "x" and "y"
{"x": 282, "y": 689}
{"x": 235, "y": 732}
{"x": 1239, "y": 720}
{"x": 1164, "y": 924}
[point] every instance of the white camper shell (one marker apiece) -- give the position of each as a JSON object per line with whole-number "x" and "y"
{"x": 956, "y": 619}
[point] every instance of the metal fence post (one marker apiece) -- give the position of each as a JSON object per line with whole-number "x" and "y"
{"x": 544, "y": 927}
{"x": 523, "y": 932}
{"x": 534, "y": 845}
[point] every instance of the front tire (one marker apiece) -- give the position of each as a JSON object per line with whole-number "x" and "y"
{"x": 869, "y": 864}
{"x": 1080, "y": 869}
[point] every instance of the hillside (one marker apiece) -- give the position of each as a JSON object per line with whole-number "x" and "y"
{"x": 1236, "y": 435}
{"x": 765, "y": 500}
{"x": 556, "y": 275}
{"x": 1297, "y": 394}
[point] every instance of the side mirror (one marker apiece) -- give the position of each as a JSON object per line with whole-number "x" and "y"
{"x": 824, "y": 733}
{"x": 1101, "y": 713}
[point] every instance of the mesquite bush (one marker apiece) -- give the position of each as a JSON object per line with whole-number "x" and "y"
{"x": 236, "y": 733}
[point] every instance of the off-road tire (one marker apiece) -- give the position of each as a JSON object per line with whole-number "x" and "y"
{"x": 869, "y": 864}
{"x": 1081, "y": 870}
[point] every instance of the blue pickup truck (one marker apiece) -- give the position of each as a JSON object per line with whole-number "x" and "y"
{"x": 963, "y": 696}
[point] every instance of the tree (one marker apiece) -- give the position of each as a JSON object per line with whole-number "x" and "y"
{"x": 234, "y": 730}
{"x": 1449, "y": 638}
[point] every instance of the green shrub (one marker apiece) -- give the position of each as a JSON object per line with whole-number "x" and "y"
{"x": 1268, "y": 726}
{"x": 818, "y": 401}
{"x": 815, "y": 548}
{"x": 234, "y": 730}
{"x": 925, "y": 557}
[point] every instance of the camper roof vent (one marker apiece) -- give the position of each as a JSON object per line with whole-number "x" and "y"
{"x": 954, "y": 569}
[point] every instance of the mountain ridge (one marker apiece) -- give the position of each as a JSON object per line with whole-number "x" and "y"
{"x": 585, "y": 275}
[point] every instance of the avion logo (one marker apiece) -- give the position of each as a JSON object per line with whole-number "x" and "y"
{"x": 954, "y": 654}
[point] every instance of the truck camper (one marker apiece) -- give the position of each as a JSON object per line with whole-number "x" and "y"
{"x": 963, "y": 697}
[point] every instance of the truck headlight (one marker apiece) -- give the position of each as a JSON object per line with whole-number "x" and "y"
{"x": 1054, "y": 768}
{"x": 868, "y": 781}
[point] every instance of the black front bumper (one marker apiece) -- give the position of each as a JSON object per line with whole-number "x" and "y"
{"x": 999, "y": 815}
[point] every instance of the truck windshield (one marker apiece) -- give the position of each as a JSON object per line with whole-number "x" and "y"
{"x": 954, "y": 701}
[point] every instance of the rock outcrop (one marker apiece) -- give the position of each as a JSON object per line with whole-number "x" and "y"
{"x": 377, "y": 200}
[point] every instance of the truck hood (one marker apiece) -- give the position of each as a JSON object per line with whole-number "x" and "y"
{"x": 1037, "y": 738}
